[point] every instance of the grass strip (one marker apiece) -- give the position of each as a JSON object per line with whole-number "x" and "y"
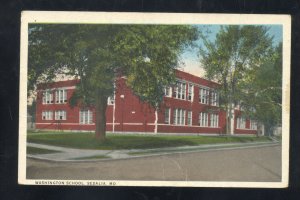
{"x": 35, "y": 151}
{"x": 117, "y": 142}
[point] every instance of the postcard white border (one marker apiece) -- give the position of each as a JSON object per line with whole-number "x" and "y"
{"x": 154, "y": 18}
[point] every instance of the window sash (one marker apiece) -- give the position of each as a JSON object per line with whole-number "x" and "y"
{"x": 61, "y": 96}
{"x": 203, "y": 119}
{"x": 241, "y": 123}
{"x": 204, "y": 95}
{"x": 47, "y": 115}
{"x": 85, "y": 117}
{"x": 167, "y": 91}
{"x": 190, "y": 92}
{"x": 111, "y": 100}
{"x": 47, "y": 97}
{"x": 174, "y": 116}
{"x": 60, "y": 115}
{"x": 179, "y": 116}
{"x": 214, "y": 98}
{"x": 167, "y": 116}
{"x": 179, "y": 91}
{"x": 189, "y": 118}
{"x": 214, "y": 120}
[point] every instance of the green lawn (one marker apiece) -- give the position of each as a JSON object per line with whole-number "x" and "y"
{"x": 35, "y": 151}
{"x": 88, "y": 141}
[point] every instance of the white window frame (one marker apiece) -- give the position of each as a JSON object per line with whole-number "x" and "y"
{"x": 189, "y": 118}
{"x": 60, "y": 115}
{"x": 61, "y": 96}
{"x": 214, "y": 120}
{"x": 240, "y": 123}
{"x": 204, "y": 95}
{"x": 203, "y": 119}
{"x": 85, "y": 116}
{"x": 47, "y": 97}
{"x": 190, "y": 96}
{"x": 179, "y": 91}
{"x": 47, "y": 115}
{"x": 214, "y": 98}
{"x": 179, "y": 113}
{"x": 111, "y": 100}
{"x": 175, "y": 116}
{"x": 168, "y": 91}
{"x": 167, "y": 115}
{"x": 179, "y": 116}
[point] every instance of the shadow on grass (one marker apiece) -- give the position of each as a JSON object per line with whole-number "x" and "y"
{"x": 36, "y": 151}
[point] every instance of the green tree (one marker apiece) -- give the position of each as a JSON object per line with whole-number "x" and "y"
{"x": 98, "y": 54}
{"x": 237, "y": 51}
{"x": 263, "y": 100}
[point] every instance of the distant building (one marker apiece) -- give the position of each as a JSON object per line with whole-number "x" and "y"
{"x": 190, "y": 106}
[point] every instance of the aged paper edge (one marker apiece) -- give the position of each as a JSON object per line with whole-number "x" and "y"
{"x": 153, "y": 18}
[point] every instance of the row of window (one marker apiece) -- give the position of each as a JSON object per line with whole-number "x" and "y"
{"x": 206, "y": 96}
{"x": 60, "y": 96}
{"x": 241, "y": 123}
{"x": 59, "y": 115}
{"x": 179, "y": 118}
{"x": 184, "y": 117}
{"x": 85, "y": 116}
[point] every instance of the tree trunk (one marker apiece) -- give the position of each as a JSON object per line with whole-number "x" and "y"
{"x": 228, "y": 119}
{"x": 155, "y": 122}
{"x": 101, "y": 104}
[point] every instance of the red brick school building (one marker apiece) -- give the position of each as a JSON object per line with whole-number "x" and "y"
{"x": 191, "y": 106}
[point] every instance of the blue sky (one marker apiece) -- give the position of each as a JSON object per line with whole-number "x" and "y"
{"x": 191, "y": 60}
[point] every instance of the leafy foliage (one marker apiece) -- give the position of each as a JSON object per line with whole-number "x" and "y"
{"x": 264, "y": 91}
{"x": 98, "y": 54}
{"x": 233, "y": 58}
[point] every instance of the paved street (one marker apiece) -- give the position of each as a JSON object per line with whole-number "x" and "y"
{"x": 249, "y": 164}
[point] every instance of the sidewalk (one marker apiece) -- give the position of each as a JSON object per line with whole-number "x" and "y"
{"x": 83, "y": 155}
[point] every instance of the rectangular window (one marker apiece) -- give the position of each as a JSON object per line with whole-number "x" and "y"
{"x": 204, "y": 95}
{"x": 167, "y": 116}
{"x": 214, "y": 120}
{"x": 111, "y": 100}
{"x": 240, "y": 123}
{"x": 203, "y": 119}
{"x": 183, "y": 90}
{"x": 174, "y": 116}
{"x": 190, "y": 92}
{"x": 214, "y": 98}
{"x": 179, "y": 113}
{"x": 167, "y": 92}
{"x": 189, "y": 118}
{"x": 182, "y": 117}
{"x": 47, "y": 97}
{"x": 61, "y": 96}
{"x": 85, "y": 117}
{"x": 60, "y": 115}
{"x": 253, "y": 125}
{"x": 179, "y": 91}
{"x": 47, "y": 115}
{"x": 179, "y": 116}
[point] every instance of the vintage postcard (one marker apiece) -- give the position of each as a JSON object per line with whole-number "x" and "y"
{"x": 154, "y": 99}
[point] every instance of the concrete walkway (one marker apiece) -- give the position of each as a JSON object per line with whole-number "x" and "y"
{"x": 83, "y": 155}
